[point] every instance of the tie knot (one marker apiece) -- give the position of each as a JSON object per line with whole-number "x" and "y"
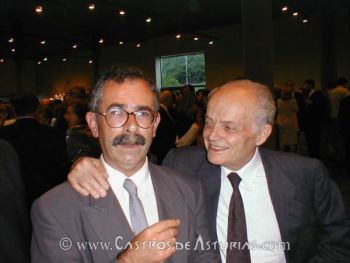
{"x": 130, "y": 187}
{"x": 234, "y": 180}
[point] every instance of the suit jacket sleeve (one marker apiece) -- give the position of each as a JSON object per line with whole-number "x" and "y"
{"x": 50, "y": 242}
{"x": 333, "y": 218}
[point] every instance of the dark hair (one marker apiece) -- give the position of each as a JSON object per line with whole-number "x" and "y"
{"x": 190, "y": 87}
{"x": 342, "y": 81}
{"x": 119, "y": 74}
{"x": 310, "y": 82}
{"x": 80, "y": 108}
{"x": 25, "y": 103}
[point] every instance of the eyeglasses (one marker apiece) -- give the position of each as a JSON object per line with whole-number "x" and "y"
{"x": 117, "y": 117}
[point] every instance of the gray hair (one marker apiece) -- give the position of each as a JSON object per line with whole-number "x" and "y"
{"x": 266, "y": 107}
{"x": 119, "y": 74}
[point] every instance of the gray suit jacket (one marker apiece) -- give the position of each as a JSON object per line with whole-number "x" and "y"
{"x": 64, "y": 222}
{"x": 308, "y": 205}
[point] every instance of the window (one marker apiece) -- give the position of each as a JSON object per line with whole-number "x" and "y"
{"x": 176, "y": 71}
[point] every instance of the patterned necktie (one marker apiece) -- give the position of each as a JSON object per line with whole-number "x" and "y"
{"x": 237, "y": 250}
{"x": 137, "y": 213}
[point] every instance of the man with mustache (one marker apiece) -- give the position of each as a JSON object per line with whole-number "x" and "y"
{"x": 284, "y": 206}
{"x": 150, "y": 214}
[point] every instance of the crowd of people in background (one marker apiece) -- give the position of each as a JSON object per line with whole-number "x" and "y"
{"x": 316, "y": 117}
{"x": 319, "y": 117}
{"x": 48, "y": 136}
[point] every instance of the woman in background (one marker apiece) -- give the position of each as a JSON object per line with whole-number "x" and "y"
{"x": 287, "y": 108}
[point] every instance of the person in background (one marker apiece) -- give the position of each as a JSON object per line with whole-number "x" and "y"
{"x": 14, "y": 217}
{"x": 344, "y": 128}
{"x": 79, "y": 139}
{"x": 189, "y": 123}
{"x": 44, "y": 114}
{"x": 166, "y": 132}
{"x": 148, "y": 209}
{"x": 315, "y": 117}
{"x": 202, "y": 101}
{"x": 287, "y": 109}
{"x": 3, "y": 114}
{"x": 41, "y": 149}
{"x": 248, "y": 187}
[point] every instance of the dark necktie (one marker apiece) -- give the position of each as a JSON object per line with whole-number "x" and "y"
{"x": 137, "y": 214}
{"x": 237, "y": 228}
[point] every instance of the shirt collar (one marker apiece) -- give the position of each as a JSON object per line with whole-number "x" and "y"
{"x": 248, "y": 172}
{"x": 139, "y": 178}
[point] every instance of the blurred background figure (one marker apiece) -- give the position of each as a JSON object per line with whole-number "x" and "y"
{"x": 14, "y": 217}
{"x": 79, "y": 139}
{"x": 166, "y": 132}
{"x": 315, "y": 117}
{"x": 344, "y": 127}
{"x": 3, "y": 114}
{"x": 44, "y": 114}
{"x": 41, "y": 149}
{"x": 202, "y": 101}
{"x": 189, "y": 123}
{"x": 287, "y": 108}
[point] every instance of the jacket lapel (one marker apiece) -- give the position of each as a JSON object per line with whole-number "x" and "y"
{"x": 211, "y": 179}
{"x": 170, "y": 206}
{"x": 108, "y": 222}
{"x": 282, "y": 191}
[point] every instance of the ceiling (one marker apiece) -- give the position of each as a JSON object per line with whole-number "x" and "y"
{"x": 64, "y": 23}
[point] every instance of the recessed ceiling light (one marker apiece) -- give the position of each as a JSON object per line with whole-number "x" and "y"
{"x": 43, "y": 42}
{"x": 91, "y": 6}
{"x": 13, "y": 50}
{"x": 148, "y": 20}
{"x": 121, "y": 12}
{"x": 101, "y": 41}
{"x": 178, "y": 36}
{"x": 75, "y": 46}
{"x": 211, "y": 42}
{"x": 39, "y": 62}
{"x": 11, "y": 40}
{"x": 195, "y": 38}
{"x": 285, "y": 8}
{"x": 305, "y": 20}
{"x": 64, "y": 59}
{"x": 121, "y": 42}
{"x": 138, "y": 45}
{"x": 45, "y": 59}
{"x": 90, "y": 61}
{"x": 2, "y": 60}
{"x": 39, "y": 9}
{"x": 295, "y": 14}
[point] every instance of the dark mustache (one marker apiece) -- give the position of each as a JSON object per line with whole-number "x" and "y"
{"x": 125, "y": 139}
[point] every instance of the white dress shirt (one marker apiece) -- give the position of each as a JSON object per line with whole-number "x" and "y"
{"x": 145, "y": 191}
{"x": 262, "y": 226}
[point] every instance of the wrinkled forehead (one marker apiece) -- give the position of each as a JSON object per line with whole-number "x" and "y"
{"x": 133, "y": 92}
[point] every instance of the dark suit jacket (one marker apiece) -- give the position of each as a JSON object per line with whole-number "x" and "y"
{"x": 63, "y": 213}
{"x": 42, "y": 154}
{"x": 14, "y": 217}
{"x": 315, "y": 112}
{"x": 303, "y": 196}
{"x": 166, "y": 136}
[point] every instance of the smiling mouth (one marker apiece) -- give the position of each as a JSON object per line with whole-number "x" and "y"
{"x": 216, "y": 148}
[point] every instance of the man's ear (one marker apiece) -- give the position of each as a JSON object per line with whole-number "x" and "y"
{"x": 155, "y": 124}
{"x": 91, "y": 119}
{"x": 263, "y": 133}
